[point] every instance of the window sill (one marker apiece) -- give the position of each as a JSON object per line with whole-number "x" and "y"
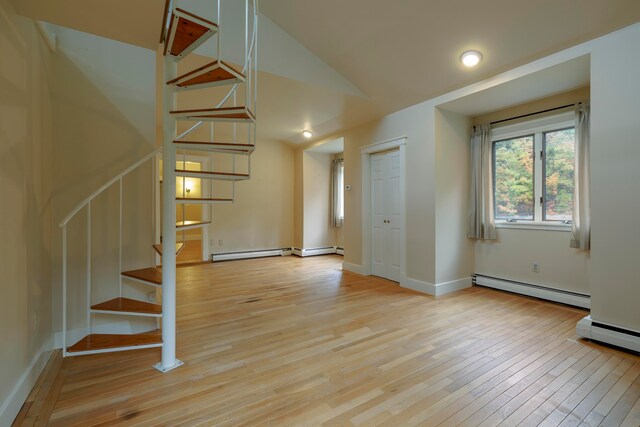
{"x": 534, "y": 226}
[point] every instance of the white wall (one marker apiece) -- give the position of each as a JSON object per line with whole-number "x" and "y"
{"x": 25, "y": 208}
{"x": 615, "y": 160}
{"x": 94, "y": 141}
{"x": 318, "y": 232}
{"x": 262, "y": 215}
{"x": 512, "y": 257}
{"x": 414, "y": 123}
{"x": 454, "y": 251}
{"x": 513, "y": 254}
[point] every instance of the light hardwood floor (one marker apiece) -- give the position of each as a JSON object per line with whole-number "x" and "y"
{"x": 290, "y": 341}
{"x": 191, "y": 253}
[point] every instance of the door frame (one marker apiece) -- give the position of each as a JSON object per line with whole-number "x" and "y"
{"x": 366, "y": 152}
{"x": 204, "y": 160}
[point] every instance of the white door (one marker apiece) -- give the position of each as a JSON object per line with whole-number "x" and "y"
{"x": 386, "y": 211}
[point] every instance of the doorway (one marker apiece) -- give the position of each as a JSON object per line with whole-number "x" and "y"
{"x": 383, "y": 209}
{"x": 195, "y": 240}
{"x": 385, "y": 215}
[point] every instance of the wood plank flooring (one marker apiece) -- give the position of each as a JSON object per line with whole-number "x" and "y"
{"x": 290, "y": 341}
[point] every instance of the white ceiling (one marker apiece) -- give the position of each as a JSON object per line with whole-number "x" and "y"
{"x": 403, "y": 52}
{"x": 550, "y": 81}
{"x": 333, "y": 146}
{"x": 330, "y": 65}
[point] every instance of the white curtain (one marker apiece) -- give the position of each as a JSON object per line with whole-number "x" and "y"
{"x": 337, "y": 193}
{"x": 581, "y": 226}
{"x": 481, "y": 215}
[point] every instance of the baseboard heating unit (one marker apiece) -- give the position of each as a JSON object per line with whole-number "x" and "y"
{"x": 538, "y": 291}
{"x": 614, "y": 335}
{"x": 251, "y": 254}
{"x": 301, "y": 252}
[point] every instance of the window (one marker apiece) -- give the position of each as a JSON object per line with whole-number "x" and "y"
{"x": 533, "y": 166}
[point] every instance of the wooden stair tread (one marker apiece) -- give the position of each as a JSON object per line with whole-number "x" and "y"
{"x": 221, "y": 114}
{"x": 111, "y": 341}
{"x": 186, "y": 32}
{"x": 128, "y": 305}
{"x": 202, "y": 199}
{"x": 213, "y": 73}
{"x": 183, "y": 224}
{"x": 215, "y": 147}
{"x": 183, "y": 171}
{"x": 151, "y": 274}
{"x": 225, "y": 144}
{"x": 158, "y": 248}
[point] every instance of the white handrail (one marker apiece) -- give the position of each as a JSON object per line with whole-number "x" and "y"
{"x": 107, "y": 185}
{"x": 234, "y": 88}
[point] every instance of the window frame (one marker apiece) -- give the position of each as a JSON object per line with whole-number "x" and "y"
{"x": 537, "y": 128}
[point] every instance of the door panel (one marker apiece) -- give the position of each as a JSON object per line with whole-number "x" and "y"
{"x": 378, "y": 266}
{"x": 386, "y": 208}
{"x": 394, "y": 215}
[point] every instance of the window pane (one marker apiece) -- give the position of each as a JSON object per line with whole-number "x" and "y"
{"x": 558, "y": 189}
{"x": 513, "y": 169}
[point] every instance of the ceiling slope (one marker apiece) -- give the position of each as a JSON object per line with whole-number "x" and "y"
{"x": 404, "y": 52}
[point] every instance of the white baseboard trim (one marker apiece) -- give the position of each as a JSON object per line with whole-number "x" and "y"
{"x": 438, "y": 289}
{"x": 250, "y": 254}
{"x": 610, "y": 334}
{"x": 453, "y": 286}
{"x": 537, "y": 291}
{"x": 304, "y": 252}
{"x": 10, "y": 408}
{"x": 418, "y": 285}
{"x": 339, "y": 250}
{"x": 354, "y": 268}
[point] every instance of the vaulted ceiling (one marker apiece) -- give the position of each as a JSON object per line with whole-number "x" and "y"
{"x": 402, "y": 52}
{"x": 333, "y": 64}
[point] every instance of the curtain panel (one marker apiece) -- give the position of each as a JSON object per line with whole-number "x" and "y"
{"x": 581, "y": 225}
{"x": 337, "y": 199}
{"x": 481, "y": 216}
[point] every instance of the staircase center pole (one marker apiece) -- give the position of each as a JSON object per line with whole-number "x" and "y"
{"x": 169, "y": 360}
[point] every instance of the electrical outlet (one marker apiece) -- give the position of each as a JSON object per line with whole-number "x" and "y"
{"x": 151, "y": 296}
{"x": 220, "y": 242}
{"x": 536, "y": 268}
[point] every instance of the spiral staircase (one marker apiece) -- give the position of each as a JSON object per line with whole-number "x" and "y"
{"x": 232, "y": 105}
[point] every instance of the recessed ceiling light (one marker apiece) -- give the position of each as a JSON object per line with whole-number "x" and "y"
{"x": 307, "y": 133}
{"x": 471, "y": 58}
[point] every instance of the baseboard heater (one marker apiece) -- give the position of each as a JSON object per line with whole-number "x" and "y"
{"x": 614, "y": 335}
{"x": 251, "y": 254}
{"x": 538, "y": 291}
{"x": 304, "y": 252}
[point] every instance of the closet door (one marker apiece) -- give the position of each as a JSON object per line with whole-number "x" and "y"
{"x": 386, "y": 215}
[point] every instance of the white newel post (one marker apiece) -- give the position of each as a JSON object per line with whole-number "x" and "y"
{"x": 169, "y": 360}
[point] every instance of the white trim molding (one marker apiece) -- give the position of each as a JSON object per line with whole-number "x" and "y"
{"x": 537, "y": 291}
{"x": 304, "y": 252}
{"x": 418, "y": 285}
{"x": 365, "y": 161}
{"x": 437, "y": 290}
{"x": 609, "y": 334}
{"x": 453, "y": 286}
{"x": 263, "y": 253}
{"x": 353, "y": 268}
{"x": 10, "y": 408}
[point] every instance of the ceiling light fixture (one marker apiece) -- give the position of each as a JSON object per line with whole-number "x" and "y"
{"x": 307, "y": 133}
{"x": 471, "y": 58}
